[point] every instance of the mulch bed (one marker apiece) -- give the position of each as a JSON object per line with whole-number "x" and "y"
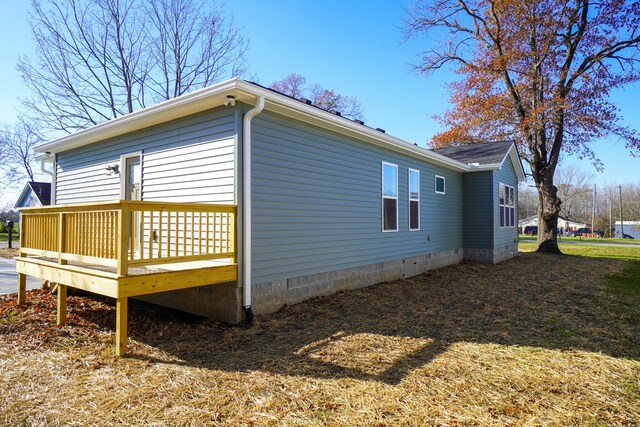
{"x": 535, "y": 340}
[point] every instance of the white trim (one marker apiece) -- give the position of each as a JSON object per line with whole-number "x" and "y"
{"x": 215, "y": 96}
{"x": 382, "y": 196}
{"x": 246, "y": 201}
{"x": 444, "y": 184}
{"x": 508, "y": 206}
{"x": 413, "y": 199}
{"x": 124, "y": 173}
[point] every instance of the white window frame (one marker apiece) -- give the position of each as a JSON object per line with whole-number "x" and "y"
{"x": 413, "y": 199}
{"x": 444, "y": 184}
{"x": 507, "y": 205}
{"x": 388, "y": 197}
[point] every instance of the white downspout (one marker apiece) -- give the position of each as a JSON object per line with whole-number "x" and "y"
{"x": 52, "y": 175}
{"x": 246, "y": 203}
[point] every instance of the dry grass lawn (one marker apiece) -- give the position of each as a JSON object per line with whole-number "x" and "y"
{"x": 538, "y": 340}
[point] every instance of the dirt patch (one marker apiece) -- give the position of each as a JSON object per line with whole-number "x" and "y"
{"x": 9, "y": 253}
{"x": 535, "y": 340}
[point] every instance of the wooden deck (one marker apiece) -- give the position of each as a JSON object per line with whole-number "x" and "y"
{"x": 125, "y": 249}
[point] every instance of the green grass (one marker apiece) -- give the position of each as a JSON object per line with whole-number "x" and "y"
{"x": 626, "y": 280}
{"x": 578, "y": 239}
{"x": 4, "y": 237}
{"x": 629, "y": 253}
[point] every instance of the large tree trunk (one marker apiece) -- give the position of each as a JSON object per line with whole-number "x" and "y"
{"x": 548, "y": 210}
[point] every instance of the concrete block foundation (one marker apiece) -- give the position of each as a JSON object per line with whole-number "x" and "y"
{"x": 221, "y": 302}
{"x": 224, "y": 302}
{"x": 271, "y": 296}
{"x": 493, "y": 256}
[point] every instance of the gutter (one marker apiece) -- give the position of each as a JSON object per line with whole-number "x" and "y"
{"x": 52, "y": 174}
{"x": 246, "y": 200}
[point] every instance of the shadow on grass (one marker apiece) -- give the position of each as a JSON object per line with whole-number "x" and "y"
{"x": 383, "y": 332}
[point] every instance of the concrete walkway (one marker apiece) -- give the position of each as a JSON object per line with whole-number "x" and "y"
{"x": 9, "y": 278}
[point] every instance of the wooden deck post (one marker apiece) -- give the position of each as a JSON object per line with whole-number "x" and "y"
{"x": 62, "y": 231}
{"x": 122, "y": 240}
{"x": 62, "y": 304}
{"x": 121, "y": 326}
{"x": 22, "y": 288}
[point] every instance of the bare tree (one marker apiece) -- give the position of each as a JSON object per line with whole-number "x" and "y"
{"x": 89, "y": 63}
{"x": 193, "y": 46}
{"x": 575, "y": 190}
{"x": 294, "y": 85}
{"x": 527, "y": 201}
{"x": 327, "y": 99}
{"x": 97, "y": 60}
{"x": 16, "y": 151}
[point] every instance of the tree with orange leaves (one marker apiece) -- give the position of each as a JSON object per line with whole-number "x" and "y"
{"x": 539, "y": 72}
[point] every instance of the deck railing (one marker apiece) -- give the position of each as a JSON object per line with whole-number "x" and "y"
{"x": 125, "y": 234}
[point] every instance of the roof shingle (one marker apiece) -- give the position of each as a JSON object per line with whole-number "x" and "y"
{"x": 486, "y": 153}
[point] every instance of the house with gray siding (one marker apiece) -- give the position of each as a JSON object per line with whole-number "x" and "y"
{"x": 34, "y": 194}
{"x": 324, "y": 203}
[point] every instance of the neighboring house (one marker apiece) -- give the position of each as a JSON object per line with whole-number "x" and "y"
{"x": 324, "y": 203}
{"x": 563, "y": 224}
{"x": 34, "y": 194}
{"x": 631, "y": 228}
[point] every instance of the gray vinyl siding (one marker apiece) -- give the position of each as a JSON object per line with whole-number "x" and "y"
{"x": 477, "y": 209}
{"x": 506, "y": 175}
{"x": 30, "y": 200}
{"x": 317, "y": 206}
{"x": 189, "y": 159}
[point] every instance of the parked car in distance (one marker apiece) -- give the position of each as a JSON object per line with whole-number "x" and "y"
{"x": 584, "y": 231}
{"x": 531, "y": 230}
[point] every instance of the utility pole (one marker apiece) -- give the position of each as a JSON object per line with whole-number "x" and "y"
{"x": 621, "y": 223}
{"x": 610, "y": 220}
{"x": 593, "y": 213}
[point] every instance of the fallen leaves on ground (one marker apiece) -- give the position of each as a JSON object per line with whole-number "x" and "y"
{"x": 539, "y": 340}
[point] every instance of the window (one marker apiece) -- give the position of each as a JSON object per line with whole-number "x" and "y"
{"x": 389, "y": 197}
{"x": 439, "y": 184}
{"x": 414, "y": 199}
{"x": 507, "y": 202}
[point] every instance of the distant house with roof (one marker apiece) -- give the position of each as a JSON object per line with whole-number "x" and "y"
{"x": 564, "y": 224}
{"x": 34, "y": 194}
{"x": 318, "y": 203}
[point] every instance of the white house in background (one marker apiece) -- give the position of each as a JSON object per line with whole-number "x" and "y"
{"x": 631, "y": 228}
{"x": 563, "y": 223}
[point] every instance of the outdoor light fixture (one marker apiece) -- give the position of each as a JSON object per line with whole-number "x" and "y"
{"x": 231, "y": 100}
{"x": 113, "y": 169}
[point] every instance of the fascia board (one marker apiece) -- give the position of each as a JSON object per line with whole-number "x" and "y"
{"x": 23, "y": 194}
{"x": 174, "y": 108}
{"x": 215, "y": 95}
{"x": 515, "y": 159}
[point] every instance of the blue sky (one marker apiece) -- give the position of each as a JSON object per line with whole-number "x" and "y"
{"x": 353, "y": 47}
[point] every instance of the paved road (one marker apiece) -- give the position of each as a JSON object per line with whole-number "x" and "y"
{"x": 9, "y": 277}
{"x": 14, "y": 244}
